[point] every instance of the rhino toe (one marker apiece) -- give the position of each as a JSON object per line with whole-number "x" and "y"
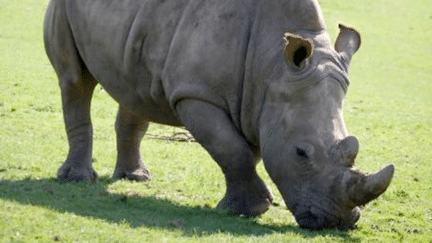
{"x": 140, "y": 174}
{"x": 248, "y": 200}
{"x": 70, "y": 173}
{"x": 244, "y": 206}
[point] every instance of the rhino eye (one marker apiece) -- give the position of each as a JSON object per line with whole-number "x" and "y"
{"x": 302, "y": 153}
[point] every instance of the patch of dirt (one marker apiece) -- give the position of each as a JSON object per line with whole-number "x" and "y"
{"x": 175, "y": 137}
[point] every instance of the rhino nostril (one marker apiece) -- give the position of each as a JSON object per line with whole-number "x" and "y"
{"x": 307, "y": 220}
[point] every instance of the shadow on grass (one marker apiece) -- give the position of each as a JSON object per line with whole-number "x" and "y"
{"x": 93, "y": 200}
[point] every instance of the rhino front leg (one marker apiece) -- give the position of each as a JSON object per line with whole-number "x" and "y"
{"x": 245, "y": 193}
{"x": 130, "y": 129}
{"x": 77, "y": 91}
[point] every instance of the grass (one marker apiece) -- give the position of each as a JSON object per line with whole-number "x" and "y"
{"x": 388, "y": 107}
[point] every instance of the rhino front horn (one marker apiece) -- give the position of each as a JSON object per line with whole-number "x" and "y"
{"x": 373, "y": 186}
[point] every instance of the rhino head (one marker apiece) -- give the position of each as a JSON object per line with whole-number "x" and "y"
{"x": 305, "y": 145}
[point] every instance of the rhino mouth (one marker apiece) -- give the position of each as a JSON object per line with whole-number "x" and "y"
{"x": 315, "y": 221}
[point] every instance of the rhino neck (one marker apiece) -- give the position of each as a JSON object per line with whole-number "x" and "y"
{"x": 264, "y": 61}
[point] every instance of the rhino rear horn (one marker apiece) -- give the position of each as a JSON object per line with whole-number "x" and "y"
{"x": 297, "y": 50}
{"x": 345, "y": 151}
{"x": 347, "y": 42}
{"x": 349, "y": 148}
{"x": 374, "y": 186}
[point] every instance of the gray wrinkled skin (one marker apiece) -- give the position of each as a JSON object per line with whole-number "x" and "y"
{"x": 249, "y": 79}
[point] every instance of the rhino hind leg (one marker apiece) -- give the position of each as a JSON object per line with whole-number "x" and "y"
{"x": 77, "y": 86}
{"x": 246, "y": 193}
{"x": 76, "y": 92}
{"x": 130, "y": 129}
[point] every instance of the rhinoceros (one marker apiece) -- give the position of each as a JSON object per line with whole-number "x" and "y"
{"x": 249, "y": 79}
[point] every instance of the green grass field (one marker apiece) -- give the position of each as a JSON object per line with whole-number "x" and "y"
{"x": 388, "y": 108}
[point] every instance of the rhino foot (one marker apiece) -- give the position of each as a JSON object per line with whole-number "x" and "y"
{"x": 69, "y": 172}
{"x": 247, "y": 199}
{"x": 140, "y": 174}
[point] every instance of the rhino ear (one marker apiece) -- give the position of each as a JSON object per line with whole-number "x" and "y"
{"x": 347, "y": 42}
{"x": 297, "y": 50}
